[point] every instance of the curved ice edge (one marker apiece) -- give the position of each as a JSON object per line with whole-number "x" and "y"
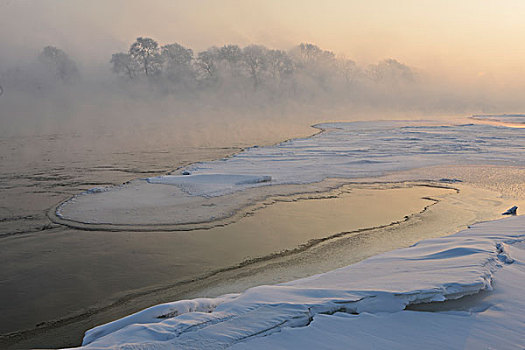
{"x": 432, "y": 270}
{"x": 340, "y": 150}
{"x": 208, "y": 184}
{"x": 58, "y": 209}
{"x": 223, "y": 179}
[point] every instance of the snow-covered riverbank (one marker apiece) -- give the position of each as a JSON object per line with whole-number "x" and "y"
{"x": 209, "y": 191}
{"x": 460, "y": 291}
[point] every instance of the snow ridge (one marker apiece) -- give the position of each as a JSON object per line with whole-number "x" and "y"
{"x": 435, "y": 270}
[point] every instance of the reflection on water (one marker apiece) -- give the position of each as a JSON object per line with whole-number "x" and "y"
{"x": 65, "y": 271}
{"x": 47, "y": 271}
{"x": 51, "y": 272}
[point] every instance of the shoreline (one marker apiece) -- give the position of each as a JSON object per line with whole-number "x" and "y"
{"x": 53, "y": 213}
{"x": 329, "y": 188}
{"x": 188, "y": 283}
{"x": 340, "y": 153}
{"x": 297, "y": 262}
{"x": 214, "y": 282}
{"x": 475, "y": 276}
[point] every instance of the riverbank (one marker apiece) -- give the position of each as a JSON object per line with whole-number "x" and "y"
{"x": 467, "y": 285}
{"x": 290, "y": 238}
{"x": 65, "y": 279}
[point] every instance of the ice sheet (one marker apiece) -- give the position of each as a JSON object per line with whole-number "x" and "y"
{"x": 343, "y": 150}
{"x": 362, "y": 149}
{"x": 506, "y": 118}
{"x": 205, "y": 184}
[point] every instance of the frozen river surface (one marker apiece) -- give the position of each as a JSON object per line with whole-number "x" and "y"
{"x": 342, "y": 150}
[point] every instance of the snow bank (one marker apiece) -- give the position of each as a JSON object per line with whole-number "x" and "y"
{"x": 363, "y": 304}
{"x": 156, "y": 313}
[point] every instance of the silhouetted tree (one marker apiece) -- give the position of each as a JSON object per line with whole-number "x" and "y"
{"x": 232, "y": 56}
{"x": 306, "y": 71}
{"x": 63, "y": 67}
{"x": 255, "y": 61}
{"x": 207, "y": 63}
{"x": 315, "y": 63}
{"x": 124, "y": 64}
{"x": 390, "y": 71}
{"x": 310, "y": 55}
{"x": 280, "y": 65}
{"x": 177, "y": 61}
{"x": 146, "y": 53}
{"x": 347, "y": 69}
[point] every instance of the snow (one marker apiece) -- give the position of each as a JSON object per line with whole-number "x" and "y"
{"x": 351, "y": 150}
{"x": 473, "y": 280}
{"x": 343, "y": 151}
{"x": 207, "y": 184}
{"x": 509, "y": 118}
{"x": 359, "y": 149}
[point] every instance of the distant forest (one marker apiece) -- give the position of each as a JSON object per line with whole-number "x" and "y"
{"x": 253, "y": 66}
{"x": 305, "y": 71}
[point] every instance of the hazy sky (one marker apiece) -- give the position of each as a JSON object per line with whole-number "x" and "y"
{"x": 474, "y": 39}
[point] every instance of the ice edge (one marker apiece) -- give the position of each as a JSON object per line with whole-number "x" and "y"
{"x": 432, "y": 270}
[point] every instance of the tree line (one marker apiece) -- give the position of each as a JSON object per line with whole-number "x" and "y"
{"x": 305, "y": 70}
{"x": 253, "y": 66}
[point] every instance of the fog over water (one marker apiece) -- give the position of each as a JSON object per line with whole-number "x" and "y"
{"x": 363, "y": 65}
{"x": 97, "y": 93}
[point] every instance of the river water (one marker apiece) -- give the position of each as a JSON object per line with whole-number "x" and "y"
{"x": 56, "y": 281}
{"x": 49, "y": 272}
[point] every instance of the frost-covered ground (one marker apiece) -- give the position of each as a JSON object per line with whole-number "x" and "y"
{"x": 455, "y": 292}
{"x": 343, "y": 151}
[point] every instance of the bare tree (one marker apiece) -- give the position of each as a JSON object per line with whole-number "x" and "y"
{"x": 310, "y": 55}
{"x": 390, "y": 71}
{"x": 348, "y": 70}
{"x": 124, "y": 64}
{"x": 280, "y": 65}
{"x": 255, "y": 61}
{"x": 207, "y": 63}
{"x": 177, "y": 61}
{"x": 232, "y": 56}
{"x": 315, "y": 63}
{"x": 175, "y": 54}
{"x": 63, "y": 67}
{"x": 146, "y": 52}
{"x": 305, "y": 71}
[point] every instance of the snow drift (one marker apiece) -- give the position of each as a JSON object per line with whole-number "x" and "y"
{"x": 364, "y": 304}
